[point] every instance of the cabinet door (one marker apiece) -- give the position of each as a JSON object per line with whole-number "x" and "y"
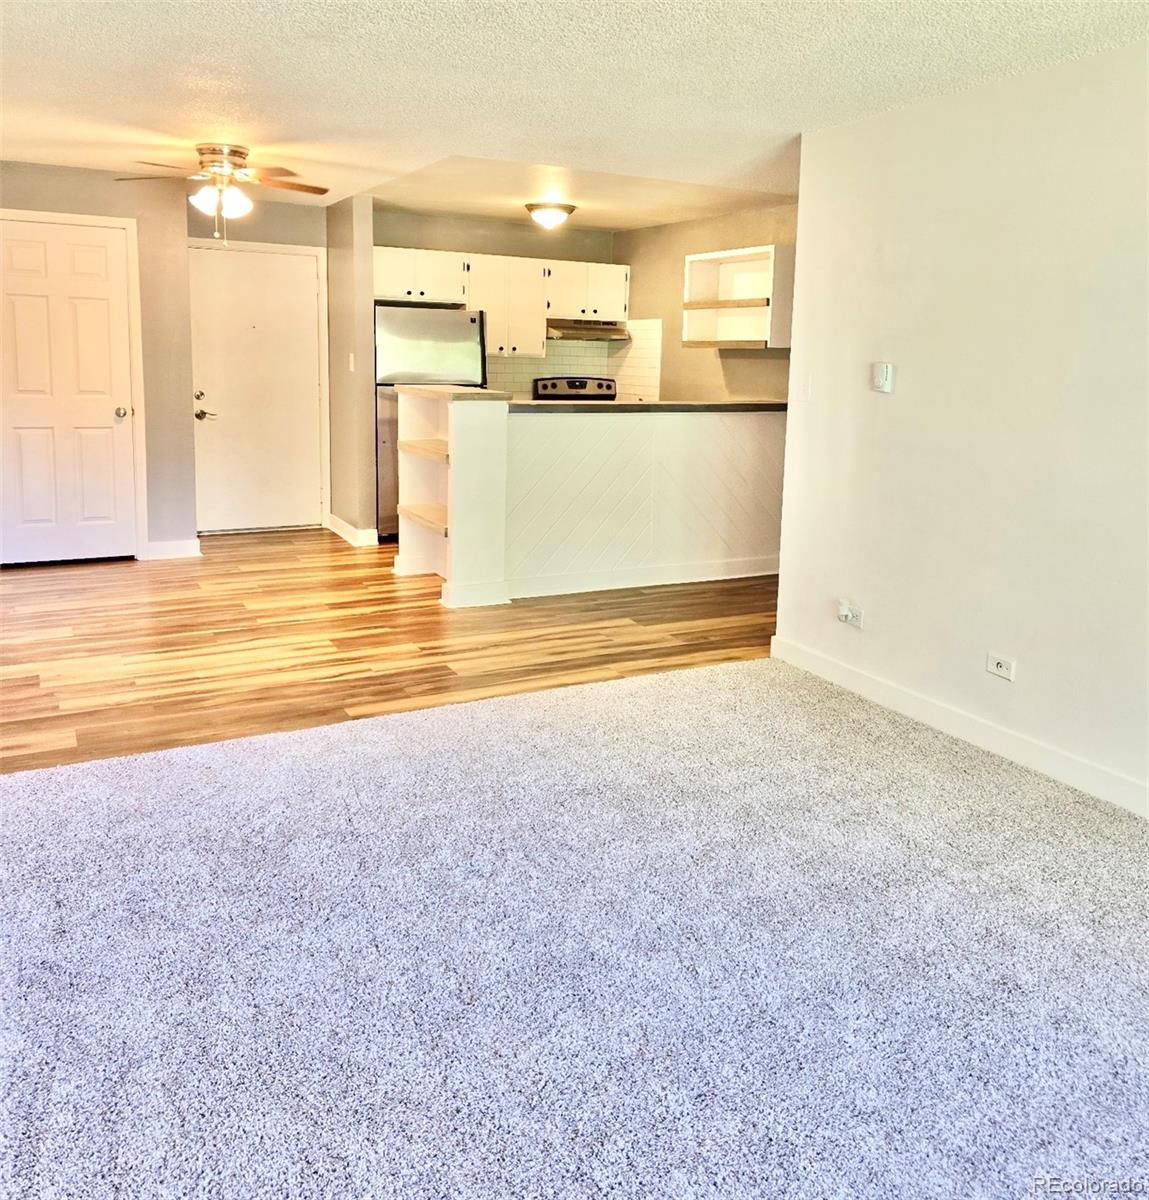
{"x": 566, "y": 290}
{"x": 393, "y": 269}
{"x": 487, "y": 293}
{"x": 439, "y": 276}
{"x": 526, "y": 307}
{"x": 607, "y": 286}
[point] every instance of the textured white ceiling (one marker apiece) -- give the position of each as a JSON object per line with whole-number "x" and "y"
{"x": 355, "y": 94}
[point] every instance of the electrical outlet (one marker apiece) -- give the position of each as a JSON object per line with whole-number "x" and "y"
{"x": 849, "y": 613}
{"x": 1003, "y": 668}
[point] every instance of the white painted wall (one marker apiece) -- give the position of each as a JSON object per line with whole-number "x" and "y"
{"x": 993, "y": 245}
{"x": 351, "y": 335}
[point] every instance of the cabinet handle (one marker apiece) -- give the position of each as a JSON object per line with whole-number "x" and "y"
{"x": 581, "y": 310}
{"x": 592, "y": 310}
{"x": 408, "y": 293}
{"x": 501, "y": 349}
{"x": 513, "y": 349}
{"x": 422, "y": 293}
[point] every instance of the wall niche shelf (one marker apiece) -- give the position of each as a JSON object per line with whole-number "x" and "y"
{"x": 706, "y": 305}
{"x": 726, "y": 345}
{"x": 738, "y": 299}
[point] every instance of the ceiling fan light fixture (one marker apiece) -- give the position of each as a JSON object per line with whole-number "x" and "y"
{"x": 206, "y": 199}
{"x": 548, "y": 215}
{"x": 234, "y": 203}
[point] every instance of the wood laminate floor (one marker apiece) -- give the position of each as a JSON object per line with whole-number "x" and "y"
{"x": 285, "y": 630}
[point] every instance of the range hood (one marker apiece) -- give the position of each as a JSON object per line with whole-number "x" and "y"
{"x": 587, "y": 331}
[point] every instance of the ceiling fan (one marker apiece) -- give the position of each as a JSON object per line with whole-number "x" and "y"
{"x": 222, "y": 167}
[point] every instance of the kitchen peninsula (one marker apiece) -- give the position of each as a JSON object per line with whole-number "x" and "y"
{"x": 504, "y": 496}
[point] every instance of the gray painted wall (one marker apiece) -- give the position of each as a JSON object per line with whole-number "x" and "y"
{"x": 656, "y": 258}
{"x": 481, "y": 235}
{"x": 159, "y": 210}
{"x": 351, "y": 329}
{"x": 283, "y": 223}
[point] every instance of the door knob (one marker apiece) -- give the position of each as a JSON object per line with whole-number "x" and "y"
{"x": 121, "y": 412}
{"x": 201, "y": 414}
{"x": 197, "y": 395}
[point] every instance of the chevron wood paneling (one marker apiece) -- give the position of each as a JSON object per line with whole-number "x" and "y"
{"x": 593, "y": 497}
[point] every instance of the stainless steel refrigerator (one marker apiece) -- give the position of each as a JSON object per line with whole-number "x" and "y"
{"x": 417, "y": 344}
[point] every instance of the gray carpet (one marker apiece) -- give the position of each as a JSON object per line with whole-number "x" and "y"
{"x": 723, "y": 932}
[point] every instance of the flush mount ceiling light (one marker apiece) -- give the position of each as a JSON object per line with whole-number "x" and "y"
{"x": 550, "y": 216}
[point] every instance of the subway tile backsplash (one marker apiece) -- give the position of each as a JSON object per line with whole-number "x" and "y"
{"x": 635, "y": 364}
{"x": 563, "y": 358}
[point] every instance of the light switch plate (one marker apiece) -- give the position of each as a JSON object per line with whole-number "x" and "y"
{"x": 882, "y": 376}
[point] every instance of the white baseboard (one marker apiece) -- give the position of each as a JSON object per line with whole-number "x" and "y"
{"x": 187, "y": 548}
{"x": 1067, "y": 768}
{"x": 475, "y": 595}
{"x": 408, "y": 564}
{"x": 348, "y": 532}
{"x": 659, "y": 573}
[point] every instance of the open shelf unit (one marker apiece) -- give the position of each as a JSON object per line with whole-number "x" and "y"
{"x": 424, "y": 526}
{"x": 432, "y": 448}
{"x": 430, "y": 516}
{"x": 738, "y": 299}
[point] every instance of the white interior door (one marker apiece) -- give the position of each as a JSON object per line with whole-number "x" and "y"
{"x": 66, "y": 451}
{"x": 256, "y": 361}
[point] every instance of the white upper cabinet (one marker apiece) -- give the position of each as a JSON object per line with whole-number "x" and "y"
{"x": 608, "y": 288}
{"x": 567, "y": 290}
{"x": 526, "y": 307}
{"x": 516, "y": 294}
{"x": 394, "y": 270}
{"x": 511, "y": 292}
{"x": 487, "y": 293}
{"x": 579, "y": 291}
{"x": 439, "y": 276}
{"x": 419, "y": 275}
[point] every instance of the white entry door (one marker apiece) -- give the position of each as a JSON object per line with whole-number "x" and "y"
{"x": 66, "y": 449}
{"x": 256, "y": 370}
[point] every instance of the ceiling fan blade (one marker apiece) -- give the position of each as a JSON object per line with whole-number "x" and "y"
{"x": 295, "y": 187}
{"x": 137, "y": 178}
{"x": 166, "y": 166}
{"x": 274, "y": 172}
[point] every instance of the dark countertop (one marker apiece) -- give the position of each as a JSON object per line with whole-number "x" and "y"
{"x": 585, "y": 406}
